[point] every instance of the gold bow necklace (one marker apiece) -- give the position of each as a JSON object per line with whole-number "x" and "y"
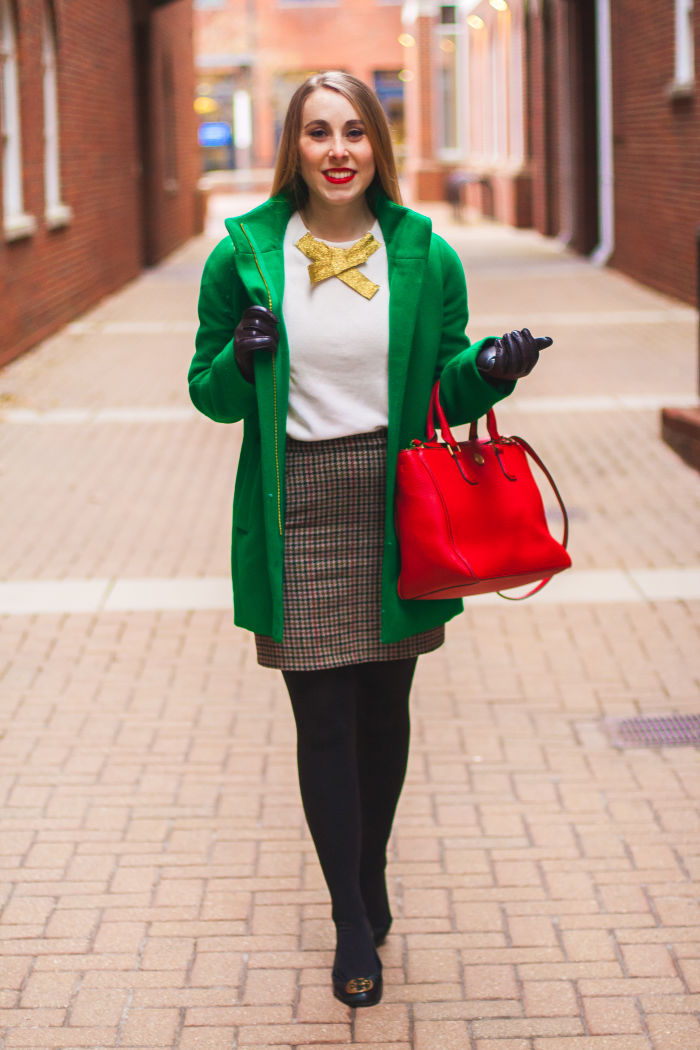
{"x": 329, "y": 261}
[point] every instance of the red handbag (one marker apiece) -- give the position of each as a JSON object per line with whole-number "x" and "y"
{"x": 469, "y": 515}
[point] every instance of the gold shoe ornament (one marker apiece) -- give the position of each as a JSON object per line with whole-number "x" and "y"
{"x": 358, "y": 985}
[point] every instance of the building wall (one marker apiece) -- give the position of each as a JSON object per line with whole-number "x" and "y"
{"x": 56, "y": 272}
{"x": 541, "y": 74}
{"x": 657, "y": 152}
{"x": 558, "y": 187}
{"x": 267, "y": 49}
{"x": 174, "y": 209}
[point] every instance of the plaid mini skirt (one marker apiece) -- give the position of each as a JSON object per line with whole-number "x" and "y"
{"x": 334, "y": 538}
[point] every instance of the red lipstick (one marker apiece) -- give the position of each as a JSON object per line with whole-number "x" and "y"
{"x": 338, "y": 176}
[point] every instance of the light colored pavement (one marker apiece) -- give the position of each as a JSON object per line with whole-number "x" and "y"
{"x": 157, "y": 885}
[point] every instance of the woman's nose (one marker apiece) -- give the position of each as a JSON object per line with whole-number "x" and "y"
{"x": 337, "y": 147}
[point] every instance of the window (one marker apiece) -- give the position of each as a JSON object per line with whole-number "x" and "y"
{"x": 494, "y": 59}
{"x": 15, "y": 222}
{"x": 448, "y": 85}
{"x": 57, "y": 214}
{"x": 516, "y": 132}
{"x": 684, "y": 73}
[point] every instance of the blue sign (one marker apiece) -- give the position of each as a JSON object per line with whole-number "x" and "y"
{"x": 215, "y": 133}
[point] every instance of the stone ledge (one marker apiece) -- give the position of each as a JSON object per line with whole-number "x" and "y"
{"x": 680, "y": 428}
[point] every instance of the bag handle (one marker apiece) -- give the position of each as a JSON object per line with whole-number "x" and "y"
{"x": 491, "y": 426}
{"x": 435, "y": 412}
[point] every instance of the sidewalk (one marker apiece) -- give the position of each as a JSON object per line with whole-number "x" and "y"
{"x": 157, "y": 886}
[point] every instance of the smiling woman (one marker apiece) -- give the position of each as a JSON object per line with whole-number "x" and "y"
{"x": 370, "y": 124}
{"x": 326, "y": 317}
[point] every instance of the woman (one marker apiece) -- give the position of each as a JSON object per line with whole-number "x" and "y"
{"x": 326, "y": 316}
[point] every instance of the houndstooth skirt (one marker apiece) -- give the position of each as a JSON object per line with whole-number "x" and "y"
{"x": 334, "y": 537}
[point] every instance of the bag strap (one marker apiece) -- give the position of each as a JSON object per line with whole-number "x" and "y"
{"x": 435, "y": 410}
{"x": 527, "y": 448}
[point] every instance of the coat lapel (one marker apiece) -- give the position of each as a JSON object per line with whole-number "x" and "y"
{"x": 258, "y": 238}
{"x": 407, "y": 237}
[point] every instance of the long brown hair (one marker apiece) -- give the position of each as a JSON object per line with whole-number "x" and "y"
{"x": 288, "y": 178}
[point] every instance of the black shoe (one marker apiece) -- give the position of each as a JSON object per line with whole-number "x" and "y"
{"x": 358, "y": 991}
{"x": 380, "y": 934}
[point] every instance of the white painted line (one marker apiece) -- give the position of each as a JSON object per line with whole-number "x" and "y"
{"x": 590, "y": 586}
{"x": 131, "y": 414}
{"x": 26, "y": 597}
{"x": 670, "y": 584}
{"x": 57, "y": 415}
{"x": 167, "y": 414}
{"x": 207, "y": 592}
{"x": 131, "y": 327}
{"x": 600, "y": 403}
{"x": 598, "y": 317}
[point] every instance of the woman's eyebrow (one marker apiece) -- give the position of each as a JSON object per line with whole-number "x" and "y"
{"x": 320, "y": 122}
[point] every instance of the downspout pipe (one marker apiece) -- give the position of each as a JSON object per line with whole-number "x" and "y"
{"x": 606, "y": 171}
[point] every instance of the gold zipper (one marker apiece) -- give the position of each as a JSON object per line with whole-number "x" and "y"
{"x": 274, "y": 384}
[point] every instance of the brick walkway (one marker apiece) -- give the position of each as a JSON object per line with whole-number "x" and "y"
{"x": 157, "y": 885}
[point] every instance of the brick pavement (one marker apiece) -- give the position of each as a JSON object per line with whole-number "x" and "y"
{"x": 157, "y": 885}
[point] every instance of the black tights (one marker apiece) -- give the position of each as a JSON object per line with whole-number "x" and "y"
{"x": 353, "y": 733}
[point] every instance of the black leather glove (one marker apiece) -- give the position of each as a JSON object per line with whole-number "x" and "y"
{"x": 512, "y": 356}
{"x": 257, "y": 330}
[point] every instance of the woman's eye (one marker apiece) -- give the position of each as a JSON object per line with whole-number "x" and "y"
{"x": 355, "y": 134}
{"x": 317, "y": 133}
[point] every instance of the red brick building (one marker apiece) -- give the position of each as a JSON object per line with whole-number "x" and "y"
{"x": 252, "y": 55}
{"x": 467, "y": 103}
{"x": 99, "y": 156}
{"x": 656, "y": 143}
{"x": 579, "y": 117}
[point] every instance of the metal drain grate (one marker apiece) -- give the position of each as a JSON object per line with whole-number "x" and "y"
{"x": 662, "y": 731}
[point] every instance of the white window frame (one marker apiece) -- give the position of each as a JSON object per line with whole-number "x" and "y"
{"x": 56, "y": 212}
{"x": 444, "y": 152}
{"x": 499, "y": 98}
{"x": 684, "y": 68}
{"x": 516, "y": 135}
{"x": 16, "y": 223}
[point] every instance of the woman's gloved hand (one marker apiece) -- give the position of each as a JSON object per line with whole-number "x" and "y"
{"x": 512, "y": 356}
{"x": 257, "y": 330}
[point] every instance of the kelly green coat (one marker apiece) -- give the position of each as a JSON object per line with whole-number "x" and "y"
{"x": 427, "y": 319}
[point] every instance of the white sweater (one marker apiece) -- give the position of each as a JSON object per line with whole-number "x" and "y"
{"x": 338, "y": 346}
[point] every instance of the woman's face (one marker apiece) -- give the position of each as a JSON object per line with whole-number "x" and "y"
{"x": 337, "y": 162}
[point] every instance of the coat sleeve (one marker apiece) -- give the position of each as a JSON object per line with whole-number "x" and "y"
{"x": 216, "y": 386}
{"x": 464, "y": 393}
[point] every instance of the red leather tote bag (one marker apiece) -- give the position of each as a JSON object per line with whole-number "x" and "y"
{"x": 469, "y": 515}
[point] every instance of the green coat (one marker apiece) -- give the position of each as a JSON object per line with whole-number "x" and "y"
{"x": 427, "y": 318}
